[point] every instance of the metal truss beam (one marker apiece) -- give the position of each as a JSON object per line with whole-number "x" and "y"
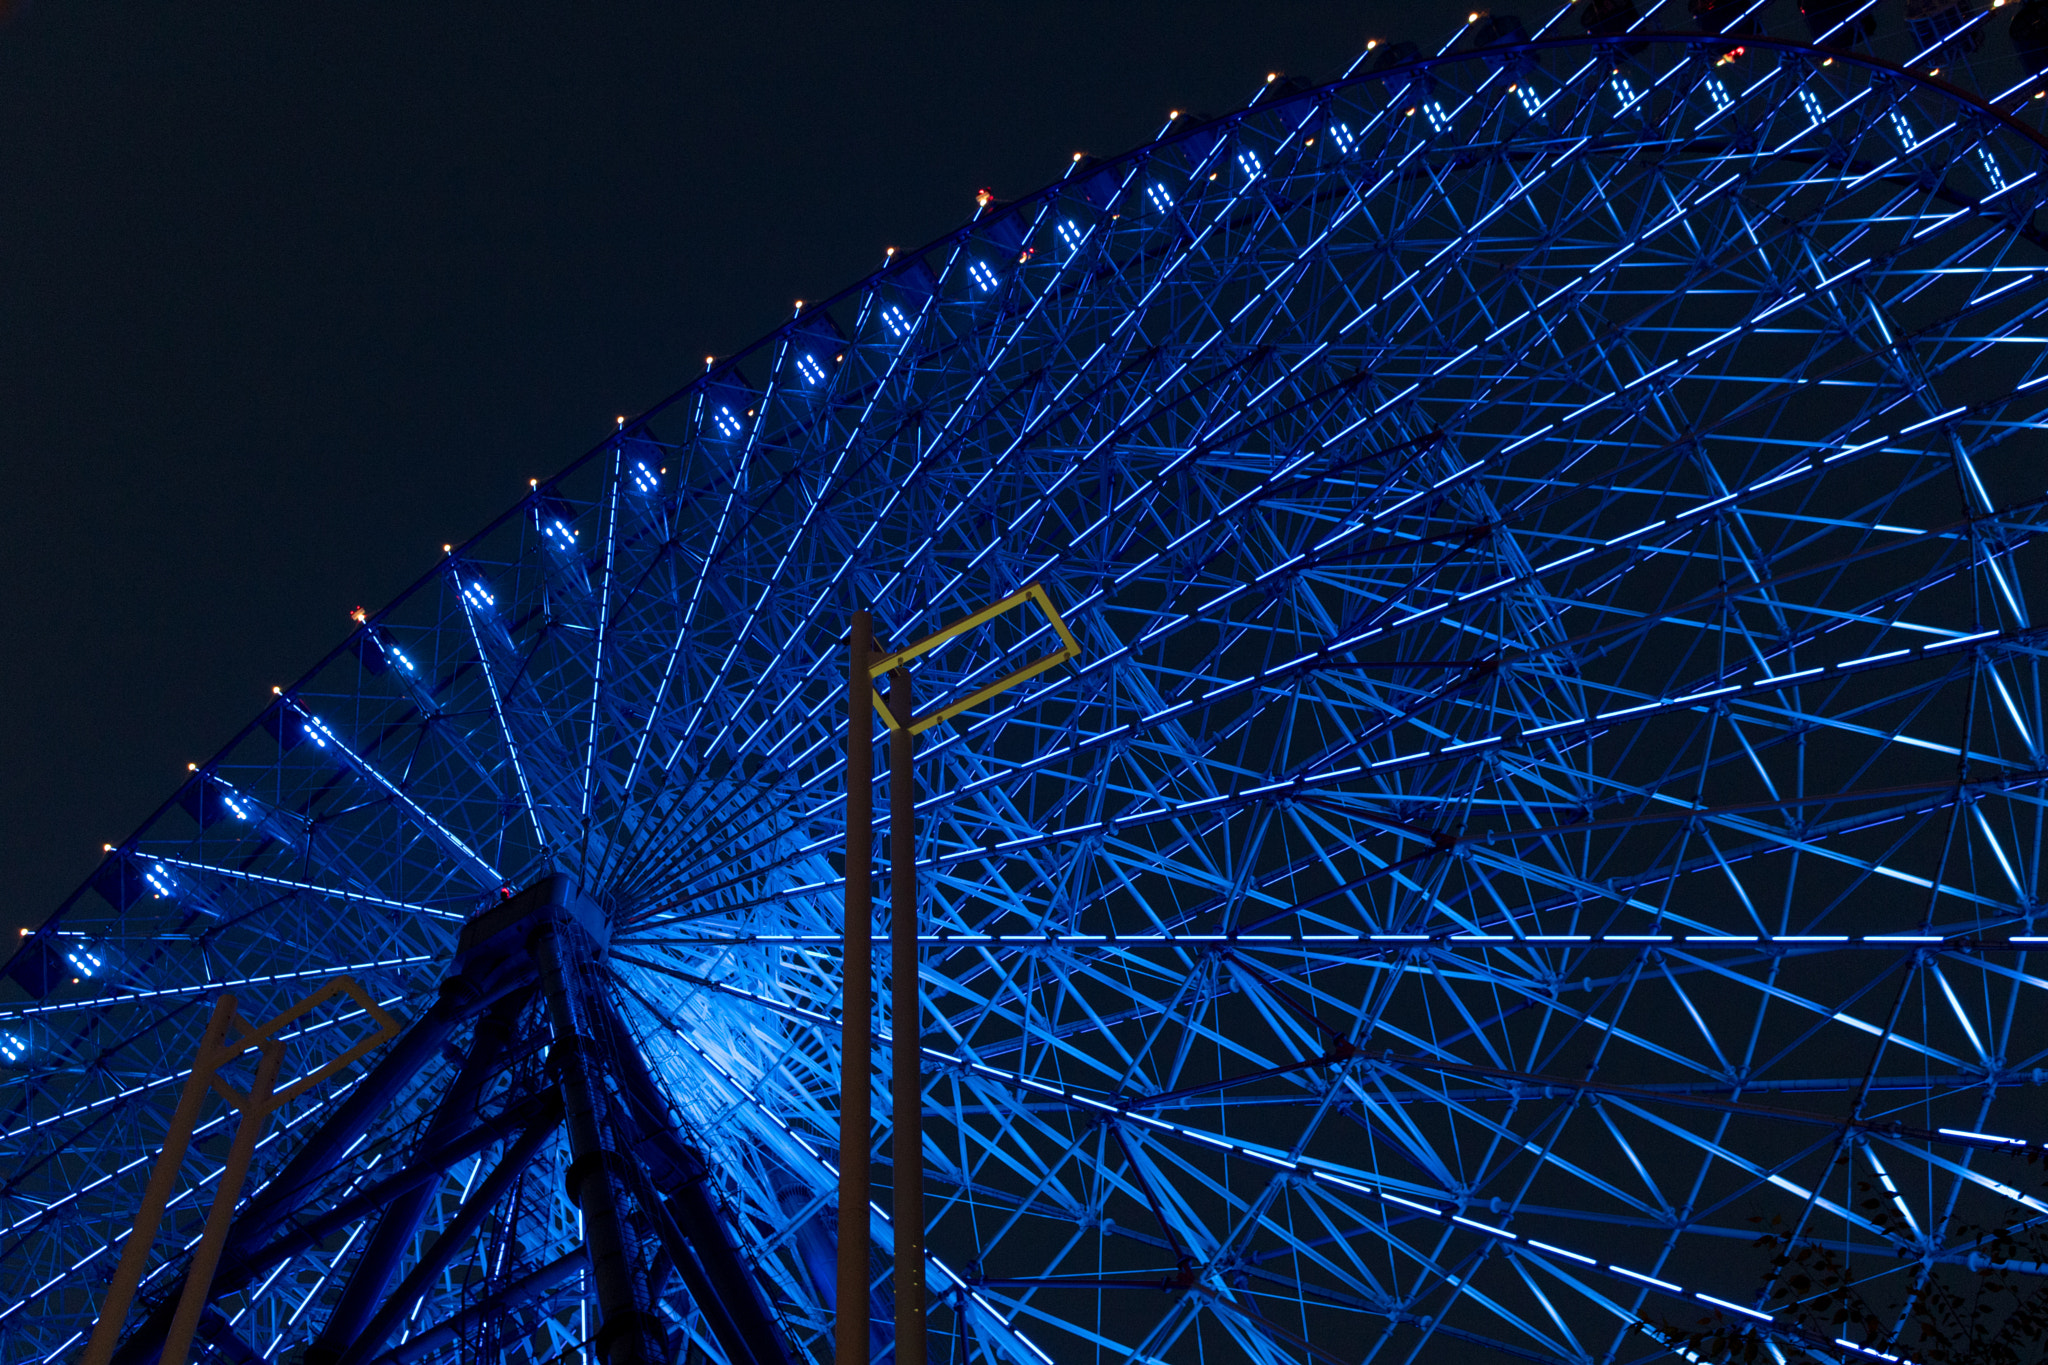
{"x": 497, "y": 1307}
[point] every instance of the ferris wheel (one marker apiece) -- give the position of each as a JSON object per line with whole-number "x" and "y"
{"x": 1540, "y": 789}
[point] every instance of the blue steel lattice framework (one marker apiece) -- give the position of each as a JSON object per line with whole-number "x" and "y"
{"x": 1555, "y": 771}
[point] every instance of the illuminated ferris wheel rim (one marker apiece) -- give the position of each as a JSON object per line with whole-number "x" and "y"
{"x": 902, "y": 264}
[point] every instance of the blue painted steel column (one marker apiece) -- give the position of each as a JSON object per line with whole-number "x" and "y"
{"x": 695, "y": 1233}
{"x": 454, "y": 1237}
{"x": 628, "y": 1335}
{"x": 400, "y": 1221}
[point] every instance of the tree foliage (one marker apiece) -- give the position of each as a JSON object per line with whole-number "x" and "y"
{"x": 1985, "y": 1302}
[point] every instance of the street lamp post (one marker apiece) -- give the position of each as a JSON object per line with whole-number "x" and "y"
{"x": 856, "y": 1003}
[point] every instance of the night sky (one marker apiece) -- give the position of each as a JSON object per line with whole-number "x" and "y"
{"x": 293, "y": 293}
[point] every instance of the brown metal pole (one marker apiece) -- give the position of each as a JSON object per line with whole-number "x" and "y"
{"x": 256, "y": 1110}
{"x": 121, "y": 1292}
{"x": 857, "y": 1001}
{"x": 906, "y": 1088}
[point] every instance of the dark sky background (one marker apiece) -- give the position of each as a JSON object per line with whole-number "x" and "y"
{"x": 290, "y": 294}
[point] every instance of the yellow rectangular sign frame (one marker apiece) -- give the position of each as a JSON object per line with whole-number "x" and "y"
{"x": 1070, "y": 648}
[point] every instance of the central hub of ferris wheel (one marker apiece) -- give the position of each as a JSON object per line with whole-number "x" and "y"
{"x": 495, "y": 940}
